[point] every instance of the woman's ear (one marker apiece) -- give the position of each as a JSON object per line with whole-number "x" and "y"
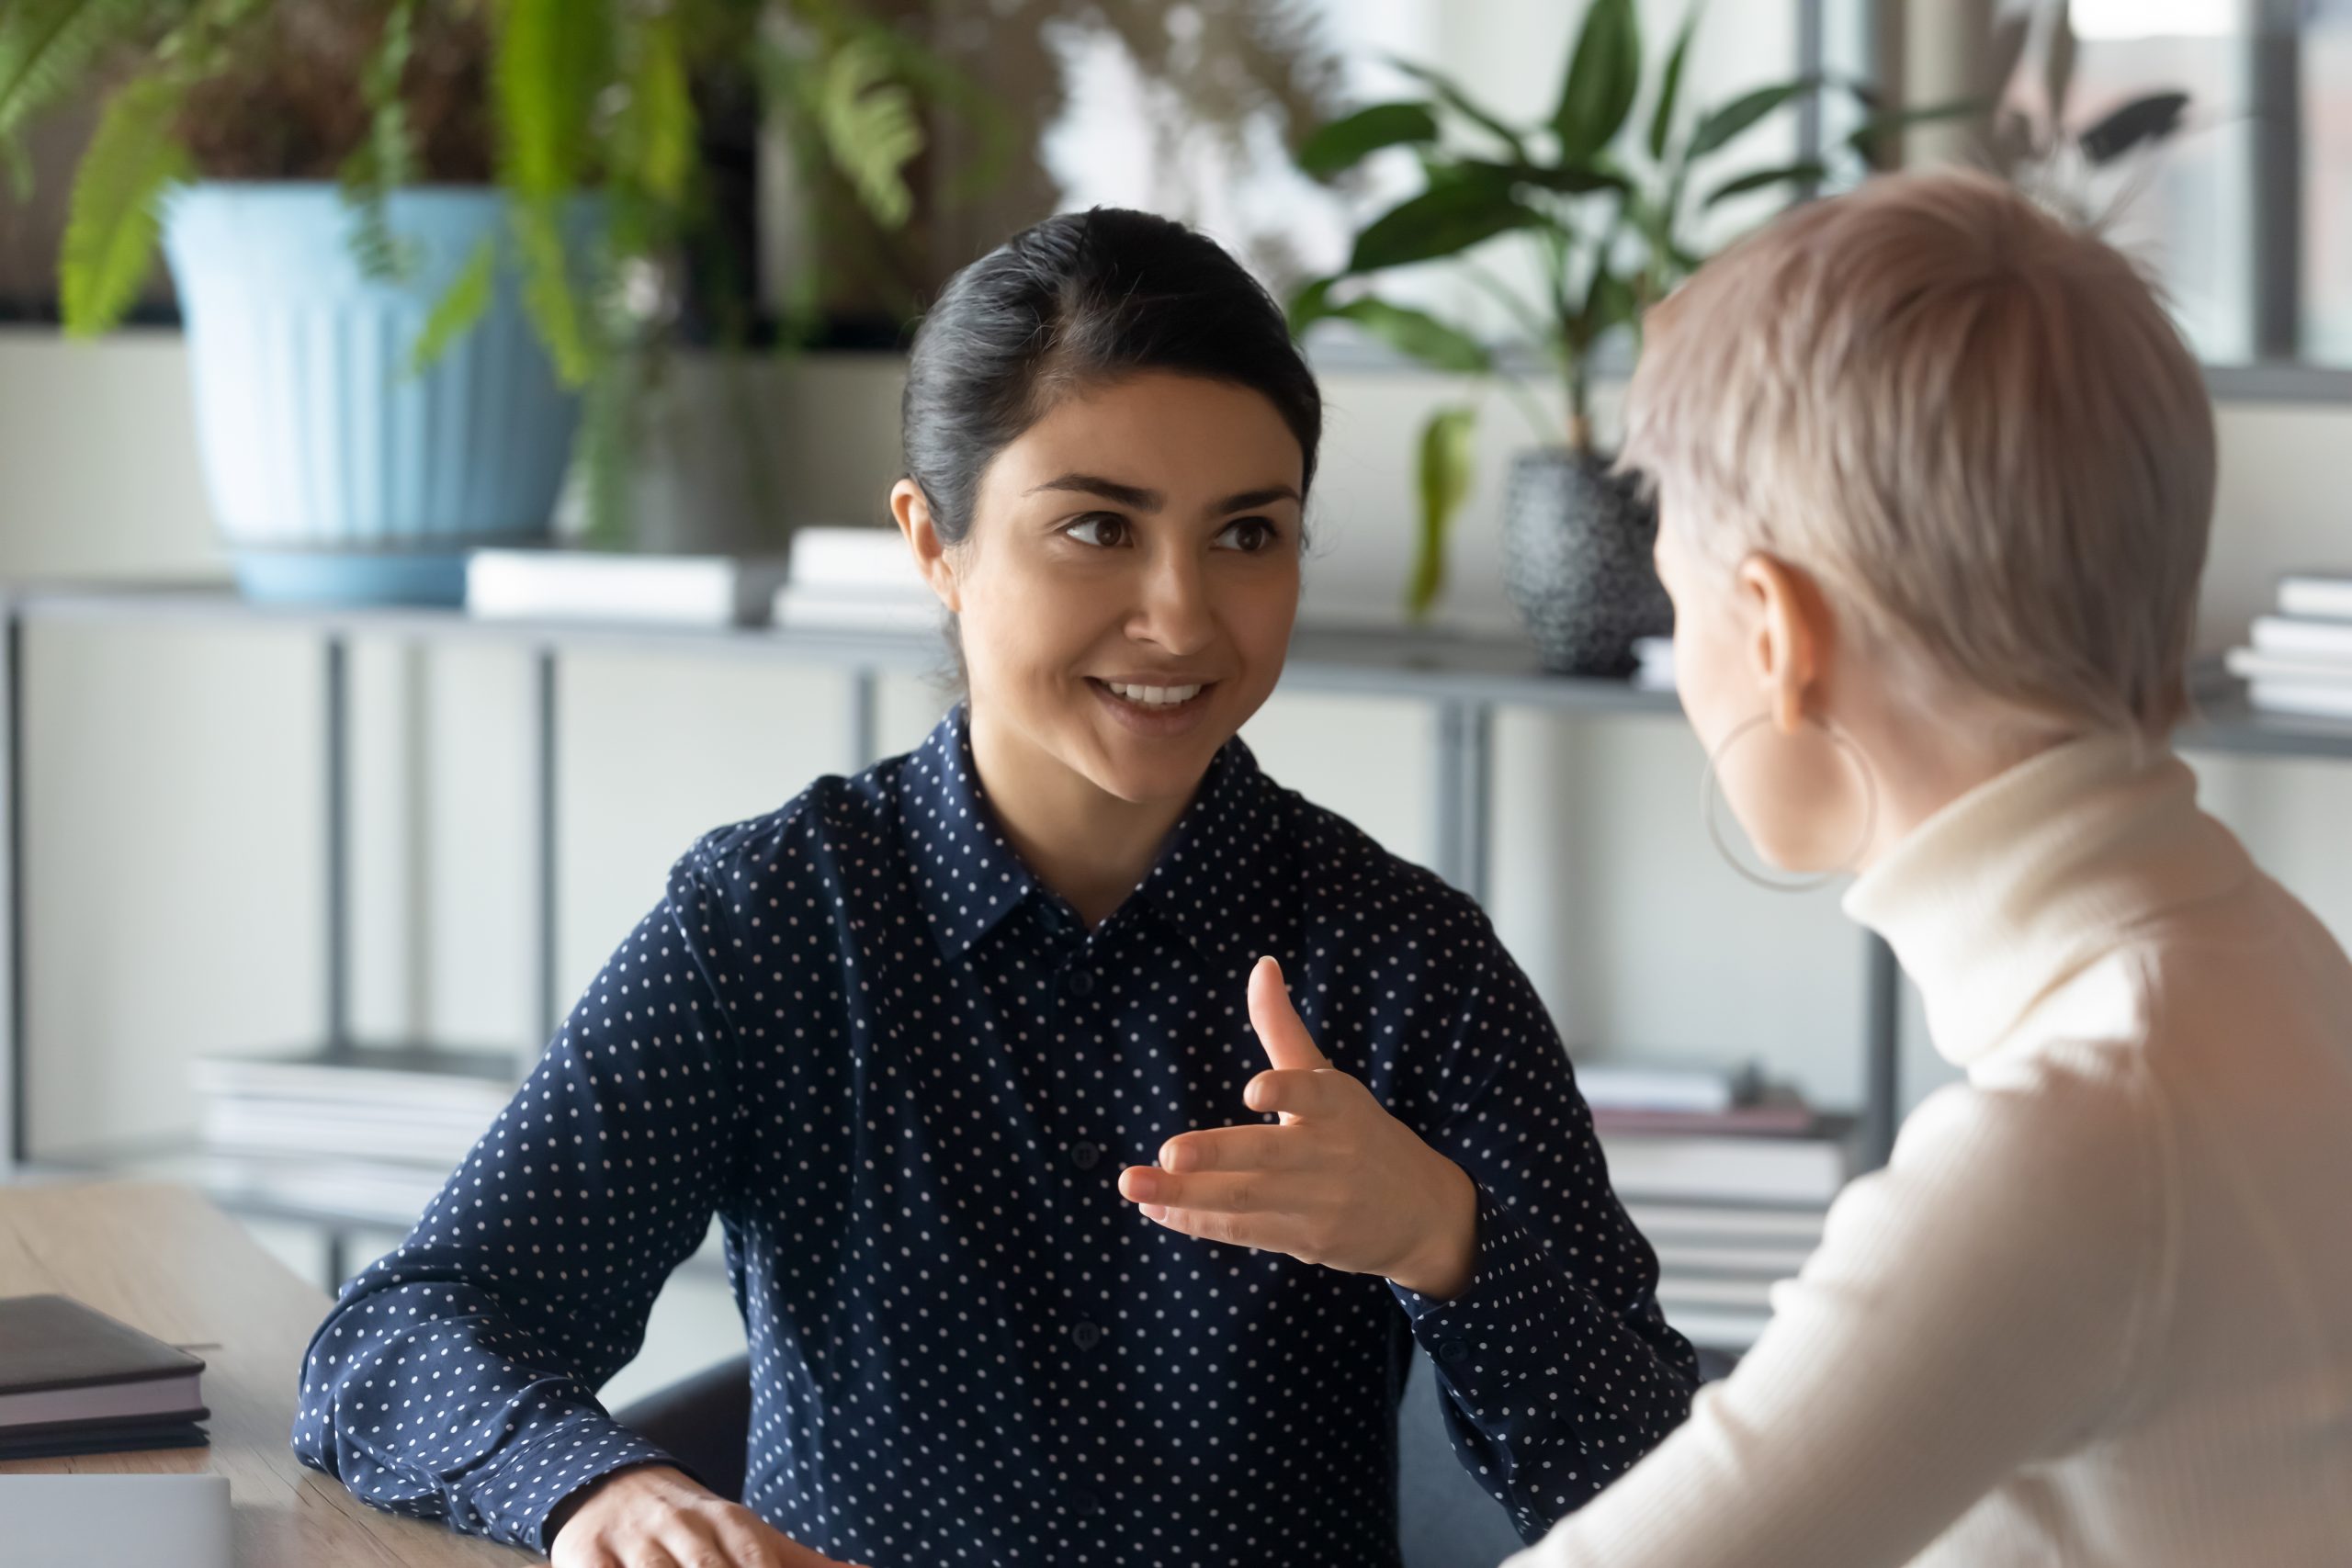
{"x": 1789, "y": 634}
{"x": 912, "y": 510}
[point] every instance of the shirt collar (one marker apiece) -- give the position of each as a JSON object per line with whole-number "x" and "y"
{"x": 2019, "y": 884}
{"x": 1225, "y": 868}
{"x": 1211, "y": 884}
{"x": 968, "y": 876}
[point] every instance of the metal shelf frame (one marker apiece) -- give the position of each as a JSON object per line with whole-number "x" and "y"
{"x": 1465, "y": 679}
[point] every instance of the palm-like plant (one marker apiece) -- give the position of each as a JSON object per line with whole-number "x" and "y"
{"x": 1609, "y": 234}
{"x": 574, "y": 95}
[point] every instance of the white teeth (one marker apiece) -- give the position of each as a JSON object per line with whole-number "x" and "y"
{"x": 1155, "y": 696}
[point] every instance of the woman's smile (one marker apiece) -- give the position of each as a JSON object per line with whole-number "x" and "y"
{"x": 1155, "y": 709}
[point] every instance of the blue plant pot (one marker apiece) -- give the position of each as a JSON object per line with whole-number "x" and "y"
{"x": 335, "y": 474}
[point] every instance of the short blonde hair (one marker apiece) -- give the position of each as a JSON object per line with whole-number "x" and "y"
{"x": 1976, "y": 426}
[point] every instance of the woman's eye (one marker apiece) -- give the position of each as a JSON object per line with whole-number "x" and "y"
{"x": 1252, "y": 534}
{"x": 1106, "y": 529}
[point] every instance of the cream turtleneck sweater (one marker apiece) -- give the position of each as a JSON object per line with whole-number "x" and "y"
{"x": 2097, "y": 1308}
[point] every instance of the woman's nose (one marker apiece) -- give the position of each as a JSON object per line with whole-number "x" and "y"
{"x": 1173, "y": 606}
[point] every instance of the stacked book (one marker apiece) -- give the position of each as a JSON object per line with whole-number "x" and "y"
{"x": 370, "y": 1131}
{"x": 73, "y": 1381}
{"x": 831, "y": 579}
{"x": 555, "y": 583}
{"x": 1728, "y": 1179}
{"x": 2298, "y": 661}
{"x": 854, "y": 580}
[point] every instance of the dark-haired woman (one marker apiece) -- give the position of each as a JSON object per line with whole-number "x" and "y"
{"x": 964, "y": 1050}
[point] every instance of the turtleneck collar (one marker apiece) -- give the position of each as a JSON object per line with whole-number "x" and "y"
{"x": 2021, "y": 882}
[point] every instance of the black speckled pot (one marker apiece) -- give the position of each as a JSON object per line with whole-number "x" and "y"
{"x": 1577, "y": 561}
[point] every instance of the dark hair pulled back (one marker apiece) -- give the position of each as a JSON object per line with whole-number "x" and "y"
{"x": 1079, "y": 301}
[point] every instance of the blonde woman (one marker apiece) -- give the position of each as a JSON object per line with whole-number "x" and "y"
{"x": 1935, "y": 476}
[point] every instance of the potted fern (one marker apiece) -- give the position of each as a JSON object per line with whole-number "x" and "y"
{"x": 1609, "y": 234}
{"x": 412, "y": 237}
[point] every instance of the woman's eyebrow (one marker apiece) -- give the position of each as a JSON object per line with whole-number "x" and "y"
{"x": 1142, "y": 499}
{"x": 1244, "y": 499}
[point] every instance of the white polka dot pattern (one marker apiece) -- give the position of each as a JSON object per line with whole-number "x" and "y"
{"x": 905, "y": 1077}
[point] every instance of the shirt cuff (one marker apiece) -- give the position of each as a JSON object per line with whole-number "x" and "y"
{"x": 512, "y": 1500}
{"x": 1503, "y": 1330}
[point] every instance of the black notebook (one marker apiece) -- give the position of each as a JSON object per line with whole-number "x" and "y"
{"x": 102, "y": 1436}
{"x": 71, "y": 1374}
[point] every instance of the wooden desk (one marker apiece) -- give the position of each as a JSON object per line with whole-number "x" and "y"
{"x": 163, "y": 1259}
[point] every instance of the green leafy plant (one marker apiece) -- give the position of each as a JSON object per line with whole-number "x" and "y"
{"x": 1611, "y": 231}
{"x": 545, "y": 100}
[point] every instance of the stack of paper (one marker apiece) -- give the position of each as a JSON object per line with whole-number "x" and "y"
{"x": 1727, "y": 1177}
{"x": 2300, "y": 660}
{"x": 1647, "y": 1086}
{"x": 1718, "y": 1263}
{"x": 363, "y": 1129}
{"x": 562, "y": 583}
{"x": 854, "y": 580}
{"x": 1733, "y": 1167}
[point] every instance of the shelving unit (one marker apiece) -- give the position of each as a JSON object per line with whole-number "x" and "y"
{"x": 1464, "y": 680}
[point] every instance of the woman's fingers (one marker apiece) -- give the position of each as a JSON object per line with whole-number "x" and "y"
{"x": 656, "y": 1515}
{"x": 750, "y": 1543}
{"x": 1280, "y": 1211}
{"x": 1224, "y": 1193}
{"x": 696, "y": 1540}
{"x": 790, "y": 1554}
{"x": 1338, "y": 1182}
{"x": 1235, "y": 1148}
{"x": 732, "y": 1537}
{"x": 1266, "y": 1229}
{"x": 1279, "y": 1029}
{"x": 740, "y": 1540}
{"x": 1301, "y": 1094}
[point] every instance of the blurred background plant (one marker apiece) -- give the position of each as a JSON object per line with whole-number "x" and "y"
{"x": 653, "y": 106}
{"x": 2028, "y": 140}
{"x": 1612, "y": 228}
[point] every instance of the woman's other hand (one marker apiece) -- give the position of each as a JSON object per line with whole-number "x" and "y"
{"x": 656, "y": 1515}
{"x": 1338, "y": 1181}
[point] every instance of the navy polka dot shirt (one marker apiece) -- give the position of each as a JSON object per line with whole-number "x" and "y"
{"x": 905, "y": 1077}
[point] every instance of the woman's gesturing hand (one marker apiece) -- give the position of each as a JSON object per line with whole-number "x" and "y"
{"x": 656, "y": 1515}
{"x": 1339, "y": 1181}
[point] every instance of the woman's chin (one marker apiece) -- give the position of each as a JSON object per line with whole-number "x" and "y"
{"x": 1148, "y": 771}
{"x": 1140, "y": 769}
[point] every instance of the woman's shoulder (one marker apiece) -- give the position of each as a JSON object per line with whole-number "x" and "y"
{"x": 835, "y": 816}
{"x": 2072, "y": 1134}
{"x": 1346, "y": 875}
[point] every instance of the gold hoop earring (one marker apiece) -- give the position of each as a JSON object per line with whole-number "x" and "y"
{"x": 1783, "y": 885}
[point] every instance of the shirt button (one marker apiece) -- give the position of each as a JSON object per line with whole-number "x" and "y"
{"x": 1085, "y": 1500}
{"x": 1079, "y": 982}
{"x": 1088, "y": 1335}
{"x": 1085, "y": 1155}
{"x": 1452, "y": 1349}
